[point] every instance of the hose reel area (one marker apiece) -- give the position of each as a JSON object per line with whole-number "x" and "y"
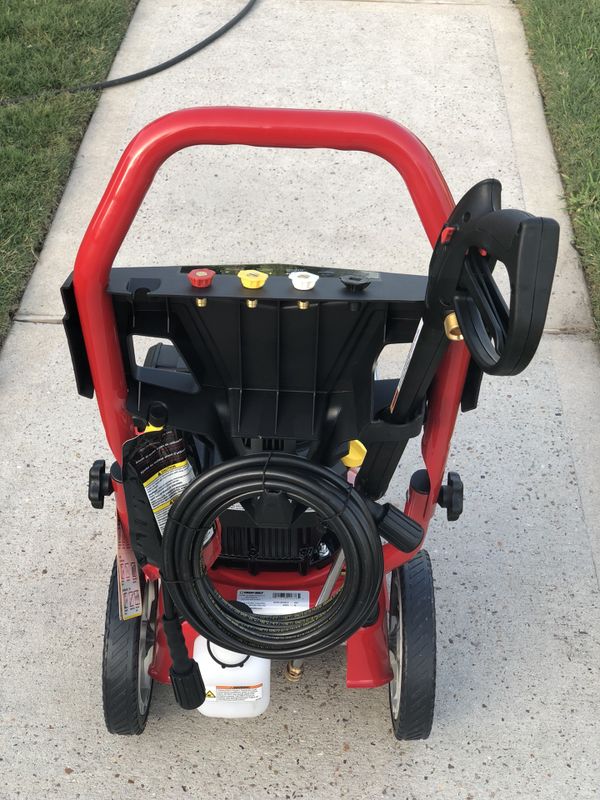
{"x": 339, "y": 508}
{"x": 250, "y": 494}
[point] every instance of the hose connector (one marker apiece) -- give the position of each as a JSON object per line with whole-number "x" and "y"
{"x": 396, "y": 527}
{"x": 294, "y": 672}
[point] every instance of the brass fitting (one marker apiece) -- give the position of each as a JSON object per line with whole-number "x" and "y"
{"x": 452, "y": 328}
{"x": 201, "y": 302}
{"x": 251, "y": 303}
{"x": 303, "y": 305}
{"x": 292, "y": 673}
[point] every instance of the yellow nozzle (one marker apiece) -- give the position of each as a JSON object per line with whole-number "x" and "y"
{"x": 355, "y": 455}
{"x": 252, "y": 278}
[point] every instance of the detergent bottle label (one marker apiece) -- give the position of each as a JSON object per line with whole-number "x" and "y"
{"x": 234, "y": 694}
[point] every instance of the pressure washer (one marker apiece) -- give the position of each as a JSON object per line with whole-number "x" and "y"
{"x": 254, "y": 442}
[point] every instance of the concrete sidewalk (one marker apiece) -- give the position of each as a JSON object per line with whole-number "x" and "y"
{"x": 517, "y": 590}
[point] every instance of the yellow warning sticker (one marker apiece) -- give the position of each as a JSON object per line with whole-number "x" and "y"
{"x": 165, "y": 486}
{"x": 160, "y": 461}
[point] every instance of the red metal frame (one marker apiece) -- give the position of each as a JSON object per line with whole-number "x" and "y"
{"x": 368, "y": 663}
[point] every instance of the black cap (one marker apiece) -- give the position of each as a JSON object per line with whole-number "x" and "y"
{"x": 158, "y": 415}
{"x": 355, "y": 282}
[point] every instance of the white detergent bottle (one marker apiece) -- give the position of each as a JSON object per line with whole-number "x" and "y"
{"x": 236, "y": 685}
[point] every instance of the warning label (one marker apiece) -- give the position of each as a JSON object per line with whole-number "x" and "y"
{"x": 130, "y": 596}
{"x": 161, "y": 462}
{"x": 165, "y": 487}
{"x": 273, "y": 601}
{"x": 234, "y": 694}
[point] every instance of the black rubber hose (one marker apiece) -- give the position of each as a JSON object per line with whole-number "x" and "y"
{"x": 144, "y": 73}
{"x": 339, "y": 507}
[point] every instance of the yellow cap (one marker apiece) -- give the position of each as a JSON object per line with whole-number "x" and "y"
{"x": 356, "y": 454}
{"x": 252, "y": 278}
{"x": 150, "y": 428}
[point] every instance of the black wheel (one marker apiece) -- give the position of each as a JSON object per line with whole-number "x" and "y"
{"x": 411, "y": 625}
{"x": 128, "y": 651}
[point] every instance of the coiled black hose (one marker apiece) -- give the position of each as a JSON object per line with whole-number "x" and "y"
{"x": 286, "y": 636}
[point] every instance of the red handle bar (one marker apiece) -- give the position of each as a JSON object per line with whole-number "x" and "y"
{"x": 260, "y": 127}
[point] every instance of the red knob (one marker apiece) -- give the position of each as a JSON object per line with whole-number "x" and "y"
{"x": 201, "y": 278}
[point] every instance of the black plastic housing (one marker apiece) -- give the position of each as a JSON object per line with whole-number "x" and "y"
{"x": 72, "y": 326}
{"x": 280, "y": 369}
{"x": 276, "y": 544}
{"x": 275, "y": 371}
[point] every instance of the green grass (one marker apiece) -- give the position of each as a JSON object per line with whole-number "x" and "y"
{"x": 564, "y": 40}
{"x": 50, "y": 44}
{"x": 45, "y": 45}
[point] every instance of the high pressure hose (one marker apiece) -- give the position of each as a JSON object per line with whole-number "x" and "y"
{"x": 339, "y": 507}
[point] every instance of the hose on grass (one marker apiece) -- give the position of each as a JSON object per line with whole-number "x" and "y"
{"x": 136, "y": 76}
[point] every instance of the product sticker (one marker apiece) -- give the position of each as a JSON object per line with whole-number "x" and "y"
{"x": 165, "y": 472}
{"x": 234, "y": 694}
{"x": 273, "y": 601}
{"x": 130, "y": 596}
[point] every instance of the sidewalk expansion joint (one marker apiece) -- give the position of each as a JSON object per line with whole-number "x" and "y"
{"x": 570, "y": 331}
{"x": 38, "y": 320}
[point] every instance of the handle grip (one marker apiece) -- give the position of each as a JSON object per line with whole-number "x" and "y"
{"x": 501, "y": 338}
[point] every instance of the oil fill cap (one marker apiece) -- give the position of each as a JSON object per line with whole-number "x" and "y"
{"x": 304, "y": 281}
{"x": 355, "y": 455}
{"x": 252, "y": 278}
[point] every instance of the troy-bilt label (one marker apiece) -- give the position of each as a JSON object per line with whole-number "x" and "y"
{"x": 234, "y": 694}
{"x": 163, "y": 468}
{"x": 274, "y": 601}
{"x": 130, "y": 596}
